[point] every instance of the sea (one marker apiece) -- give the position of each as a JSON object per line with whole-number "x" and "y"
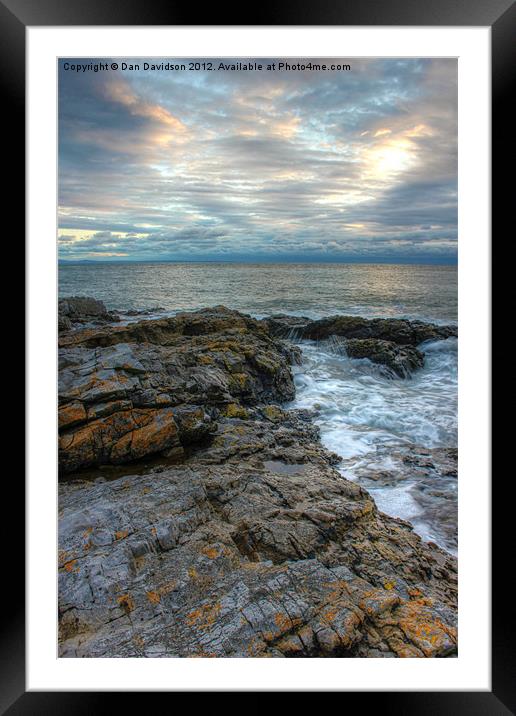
{"x": 395, "y": 436}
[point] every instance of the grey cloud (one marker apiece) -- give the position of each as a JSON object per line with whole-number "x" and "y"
{"x": 152, "y": 164}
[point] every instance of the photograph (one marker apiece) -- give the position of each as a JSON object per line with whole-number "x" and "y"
{"x": 257, "y": 324}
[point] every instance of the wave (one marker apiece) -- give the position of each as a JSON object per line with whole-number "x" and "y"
{"x": 367, "y": 419}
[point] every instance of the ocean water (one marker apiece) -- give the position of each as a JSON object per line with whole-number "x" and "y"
{"x": 314, "y": 290}
{"x": 384, "y": 427}
{"x": 389, "y": 432}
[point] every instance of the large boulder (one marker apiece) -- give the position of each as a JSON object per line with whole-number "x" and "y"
{"x": 82, "y": 309}
{"x": 401, "y": 360}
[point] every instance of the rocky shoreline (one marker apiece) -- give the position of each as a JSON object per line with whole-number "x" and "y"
{"x": 198, "y": 517}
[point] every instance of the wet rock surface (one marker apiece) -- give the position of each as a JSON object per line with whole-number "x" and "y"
{"x": 401, "y": 360}
{"x": 390, "y": 342}
{"x": 74, "y": 310}
{"x": 245, "y": 540}
{"x": 430, "y": 478}
{"x": 143, "y": 312}
{"x": 397, "y": 330}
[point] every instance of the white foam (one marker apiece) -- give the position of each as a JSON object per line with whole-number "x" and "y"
{"x": 360, "y": 411}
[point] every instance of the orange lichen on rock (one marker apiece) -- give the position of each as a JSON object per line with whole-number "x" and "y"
{"x": 137, "y": 639}
{"x": 71, "y": 566}
{"x": 62, "y": 557}
{"x": 256, "y": 647}
{"x": 203, "y": 617}
{"x": 126, "y": 602}
{"x": 404, "y": 650}
{"x": 167, "y": 587}
{"x": 243, "y": 539}
{"x": 376, "y": 601}
{"x": 284, "y": 623}
{"x": 427, "y": 632}
{"x": 155, "y": 596}
{"x": 336, "y": 625}
{"x": 122, "y": 436}
{"x": 211, "y": 552}
{"x": 71, "y": 414}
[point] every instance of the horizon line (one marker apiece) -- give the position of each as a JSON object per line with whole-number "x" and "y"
{"x": 379, "y": 261}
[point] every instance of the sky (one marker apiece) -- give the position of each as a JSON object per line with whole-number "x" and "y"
{"x": 259, "y": 165}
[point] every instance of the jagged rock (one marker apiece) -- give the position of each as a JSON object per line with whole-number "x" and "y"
{"x": 63, "y": 323}
{"x": 388, "y": 341}
{"x": 245, "y": 558}
{"x": 396, "y": 330}
{"x": 81, "y": 306}
{"x": 402, "y": 360}
{"x": 122, "y": 436}
{"x": 130, "y": 391}
{"x": 82, "y": 309}
{"x": 241, "y": 539}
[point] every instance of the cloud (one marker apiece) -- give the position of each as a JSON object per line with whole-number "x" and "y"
{"x": 260, "y": 164}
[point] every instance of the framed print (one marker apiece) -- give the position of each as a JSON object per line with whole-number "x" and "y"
{"x": 258, "y": 358}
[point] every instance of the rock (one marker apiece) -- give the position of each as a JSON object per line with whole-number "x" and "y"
{"x": 126, "y": 392}
{"x": 428, "y": 476}
{"x": 401, "y": 360}
{"x": 79, "y": 306}
{"x": 396, "y": 330}
{"x": 388, "y": 341}
{"x": 122, "y": 436}
{"x": 241, "y": 539}
{"x": 63, "y": 323}
{"x": 80, "y": 310}
{"x": 144, "y": 311}
{"x": 238, "y": 559}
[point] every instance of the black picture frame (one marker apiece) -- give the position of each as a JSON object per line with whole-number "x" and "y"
{"x": 500, "y": 16}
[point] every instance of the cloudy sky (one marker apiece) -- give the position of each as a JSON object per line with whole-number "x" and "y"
{"x": 356, "y": 165}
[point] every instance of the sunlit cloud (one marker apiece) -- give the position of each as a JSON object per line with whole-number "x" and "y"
{"x": 236, "y": 165}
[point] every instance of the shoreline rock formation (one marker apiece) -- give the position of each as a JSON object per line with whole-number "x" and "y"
{"x": 74, "y": 310}
{"x": 233, "y": 534}
{"x": 157, "y": 386}
{"x": 391, "y": 342}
